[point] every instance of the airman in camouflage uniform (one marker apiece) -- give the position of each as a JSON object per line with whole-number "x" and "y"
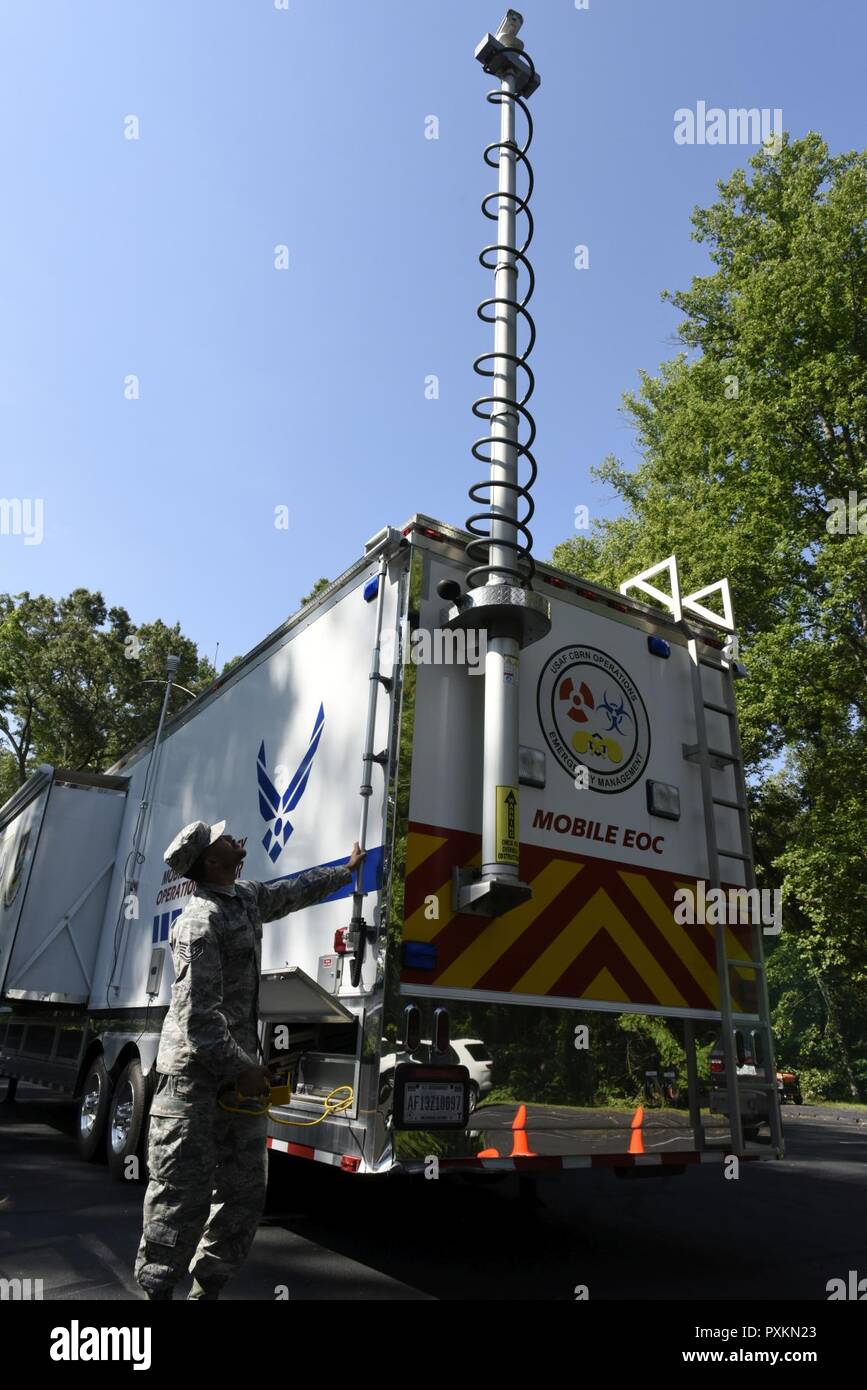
{"x": 208, "y": 1166}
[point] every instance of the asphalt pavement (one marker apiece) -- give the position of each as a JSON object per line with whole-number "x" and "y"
{"x": 779, "y": 1231}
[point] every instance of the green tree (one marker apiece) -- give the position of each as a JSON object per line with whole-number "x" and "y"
{"x": 317, "y": 589}
{"x": 749, "y": 438}
{"x": 79, "y": 683}
{"x": 9, "y": 779}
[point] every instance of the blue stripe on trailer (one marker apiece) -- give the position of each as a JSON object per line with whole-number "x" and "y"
{"x": 371, "y": 875}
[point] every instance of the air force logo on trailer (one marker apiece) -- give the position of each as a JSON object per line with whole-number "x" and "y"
{"x": 592, "y": 715}
{"x": 274, "y": 809}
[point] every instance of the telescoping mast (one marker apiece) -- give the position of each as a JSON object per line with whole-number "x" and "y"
{"x": 499, "y": 598}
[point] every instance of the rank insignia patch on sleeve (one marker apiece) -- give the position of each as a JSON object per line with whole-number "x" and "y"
{"x": 191, "y": 950}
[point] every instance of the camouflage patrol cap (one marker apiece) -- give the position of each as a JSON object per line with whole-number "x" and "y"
{"x": 189, "y": 843}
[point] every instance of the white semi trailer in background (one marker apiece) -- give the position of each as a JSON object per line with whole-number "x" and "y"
{"x": 544, "y": 764}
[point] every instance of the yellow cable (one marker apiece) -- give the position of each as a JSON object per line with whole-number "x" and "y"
{"x": 335, "y": 1108}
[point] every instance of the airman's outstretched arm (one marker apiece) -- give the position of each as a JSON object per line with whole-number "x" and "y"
{"x": 276, "y": 899}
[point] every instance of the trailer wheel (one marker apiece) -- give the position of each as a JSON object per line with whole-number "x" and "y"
{"x": 126, "y": 1127}
{"x": 93, "y": 1110}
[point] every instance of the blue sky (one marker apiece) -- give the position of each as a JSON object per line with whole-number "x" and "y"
{"x": 305, "y": 387}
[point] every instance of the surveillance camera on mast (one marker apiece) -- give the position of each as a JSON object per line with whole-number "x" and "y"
{"x": 500, "y": 54}
{"x": 507, "y": 32}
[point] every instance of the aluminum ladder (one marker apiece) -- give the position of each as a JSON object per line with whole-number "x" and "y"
{"x": 709, "y": 760}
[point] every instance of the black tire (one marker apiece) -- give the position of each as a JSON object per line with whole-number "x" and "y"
{"x": 93, "y": 1108}
{"x": 798, "y": 1098}
{"x": 126, "y": 1127}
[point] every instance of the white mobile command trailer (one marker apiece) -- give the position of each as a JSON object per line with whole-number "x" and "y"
{"x": 544, "y": 767}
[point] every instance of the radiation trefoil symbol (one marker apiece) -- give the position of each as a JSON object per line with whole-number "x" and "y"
{"x": 274, "y": 808}
{"x": 580, "y": 700}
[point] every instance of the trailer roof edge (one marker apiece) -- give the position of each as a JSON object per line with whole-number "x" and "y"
{"x": 416, "y": 522}
{"x": 26, "y": 793}
{"x": 613, "y": 597}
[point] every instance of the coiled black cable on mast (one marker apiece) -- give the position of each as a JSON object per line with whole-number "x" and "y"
{"x": 499, "y": 603}
{"x": 498, "y": 525}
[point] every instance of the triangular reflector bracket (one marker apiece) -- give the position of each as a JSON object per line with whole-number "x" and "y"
{"x": 672, "y": 600}
{"x": 726, "y": 618}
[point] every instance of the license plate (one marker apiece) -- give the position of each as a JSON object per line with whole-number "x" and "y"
{"x": 433, "y": 1102}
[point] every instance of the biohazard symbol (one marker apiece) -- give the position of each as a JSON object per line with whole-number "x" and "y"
{"x": 578, "y": 699}
{"x": 616, "y": 714}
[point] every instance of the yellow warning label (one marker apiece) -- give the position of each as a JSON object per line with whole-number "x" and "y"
{"x": 507, "y": 825}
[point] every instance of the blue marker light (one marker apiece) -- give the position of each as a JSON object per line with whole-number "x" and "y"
{"x": 419, "y": 955}
{"x": 371, "y": 589}
{"x": 658, "y": 646}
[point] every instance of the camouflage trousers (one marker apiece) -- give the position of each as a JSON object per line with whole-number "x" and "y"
{"x": 208, "y": 1172}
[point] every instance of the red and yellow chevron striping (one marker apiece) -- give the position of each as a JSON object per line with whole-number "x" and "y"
{"x": 594, "y": 929}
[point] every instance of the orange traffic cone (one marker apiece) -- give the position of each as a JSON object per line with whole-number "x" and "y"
{"x": 520, "y": 1148}
{"x": 636, "y": 1143}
